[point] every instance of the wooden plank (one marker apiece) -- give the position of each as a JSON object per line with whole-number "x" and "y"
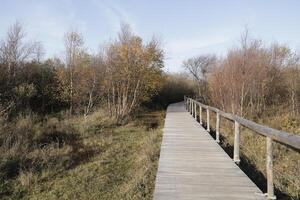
{"x": 193, "y": 166}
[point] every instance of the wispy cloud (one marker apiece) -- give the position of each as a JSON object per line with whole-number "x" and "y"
{"x": 48, "y": 23}
{"x": 116, "y": 15}
{"x": 178, "y": 50}
{"x": 182, "y": 45}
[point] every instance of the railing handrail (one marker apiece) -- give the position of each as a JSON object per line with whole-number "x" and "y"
{"x": 270, "y": 134}
{"x": 277, "y": 135}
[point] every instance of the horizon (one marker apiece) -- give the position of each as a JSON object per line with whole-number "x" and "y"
{"x": 186, "y": 29}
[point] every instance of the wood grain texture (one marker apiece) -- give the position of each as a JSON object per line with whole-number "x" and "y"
{"x": 193, "y": 166}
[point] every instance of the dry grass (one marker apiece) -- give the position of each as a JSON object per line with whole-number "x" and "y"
{"x": 73, "y": 159}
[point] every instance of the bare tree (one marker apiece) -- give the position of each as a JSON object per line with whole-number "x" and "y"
{"x": 74, "y": 49}
{"x": 254, "y": 77}
{"x": 14, "y": 51}
{"x": 199, "y": 67}
{"x": 39, "y": 52}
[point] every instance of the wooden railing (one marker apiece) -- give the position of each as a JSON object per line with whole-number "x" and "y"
{"x": 270, "y": 134}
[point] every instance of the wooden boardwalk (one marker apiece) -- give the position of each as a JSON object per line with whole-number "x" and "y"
{"x": 193, "y": 166}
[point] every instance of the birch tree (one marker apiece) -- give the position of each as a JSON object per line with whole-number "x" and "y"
{"x": 133, "y": 72}
{"x": 15, "y": 51}
{"x": 74, "y": 50}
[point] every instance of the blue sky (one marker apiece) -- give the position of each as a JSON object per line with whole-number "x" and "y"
{"x": 186, "y": 28}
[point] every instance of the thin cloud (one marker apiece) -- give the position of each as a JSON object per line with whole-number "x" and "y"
{"x": 190, "y": 44}
{"x": 180, "y": 49}
{"x": 48, "y": 23}
{"x": 116, "y": 15}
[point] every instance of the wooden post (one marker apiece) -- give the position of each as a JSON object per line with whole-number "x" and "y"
{"x": 236, "y": 151}
{"x": 195, "y": 111}
{"x": 207, "y": 115}
{"x": 193, "y": 105}
{"x": 200, "y": 114}
{"x": 193, "y": 108}
{"x": 270, "y": 193}
{"x": 186, "y": 104}
{"x": 218, "y": 127}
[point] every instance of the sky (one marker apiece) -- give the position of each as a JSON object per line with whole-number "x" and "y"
{"x": 186, "y": 28}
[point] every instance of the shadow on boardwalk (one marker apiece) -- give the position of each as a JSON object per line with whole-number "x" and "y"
{"x": 193, "y": 166}
{"x": 248, "y": 167}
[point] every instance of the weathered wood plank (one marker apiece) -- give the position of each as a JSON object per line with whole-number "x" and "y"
{"x": 193, "y": 166}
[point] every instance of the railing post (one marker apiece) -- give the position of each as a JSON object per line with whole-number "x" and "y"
{"x": 195, "y": 111}
{"x": 191, "y": 107}
{"x": 190, "y": 102}
{"x": 270, "y": 183}
{"x": 218, "y": 127}
{"x": 236, "y": 151}
{"x": 186, "y": 104}
{"x": 207, "y": 115}
{"x": 200, "y": 114}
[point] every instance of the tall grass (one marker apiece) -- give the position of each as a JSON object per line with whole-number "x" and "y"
{"x": 72, "y": 158}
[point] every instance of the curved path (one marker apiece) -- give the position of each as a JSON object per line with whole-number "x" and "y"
{"x": 193, "y": 166}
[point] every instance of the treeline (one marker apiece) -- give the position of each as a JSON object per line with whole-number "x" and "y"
{"x": 126, "y": 73}
{"x": 251, "y": 79}
{"x": 58, "y": 113}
